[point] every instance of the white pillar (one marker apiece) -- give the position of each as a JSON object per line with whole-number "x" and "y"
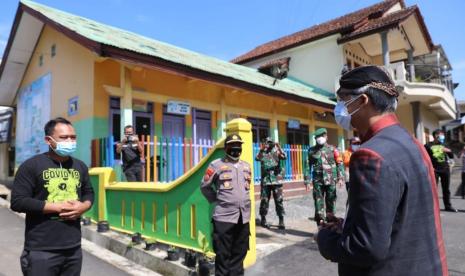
{"x": 274, "y": 124}
{"x": 222, "y": 119}
{"x": 126, "y": 100}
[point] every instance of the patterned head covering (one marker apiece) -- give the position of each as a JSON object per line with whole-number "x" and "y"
{"x": 373, "y": 76}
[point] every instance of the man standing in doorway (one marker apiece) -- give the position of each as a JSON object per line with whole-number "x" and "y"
{"x": 269, "y": 157}
{"x": 440, "y": 155}
{"x": 54, "y": 190}
{"x": 226, "y": 183}
{"x": 131, "y": 150}
{"x": 392, "y": 225}
{"x": 325, "y": 171}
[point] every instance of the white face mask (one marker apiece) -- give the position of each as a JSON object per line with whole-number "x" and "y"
{"x": 343, "y": 118}
{"x": 355, "y": 147}
{"x": 321, "y": 140}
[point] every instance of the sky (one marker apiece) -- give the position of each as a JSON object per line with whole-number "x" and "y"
{"x": 226, "y": 29}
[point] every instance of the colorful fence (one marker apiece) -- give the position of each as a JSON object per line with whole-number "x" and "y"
{"x": 295, "y": 166}
{"x": 168, "y": 160}
{"x": 173, "y": 213}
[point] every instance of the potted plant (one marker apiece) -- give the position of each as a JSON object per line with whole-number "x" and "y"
{"x": 150, "y": 244}
{"x": 190, "y": 258}
{"x": 86, "y": 221}
{"x": 136, "y": 238}
{"x": 173, "y": 254}
{"x": 206, "y": 262}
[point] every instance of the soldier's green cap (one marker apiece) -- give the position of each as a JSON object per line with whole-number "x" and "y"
{"x": 320, "y": 132}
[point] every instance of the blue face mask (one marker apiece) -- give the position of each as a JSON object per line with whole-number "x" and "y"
{"x": 355, "y": 147}
{"x": 343, "y": 118}
{"x": 441, "y": 139}
{"x": 64, "y": 148}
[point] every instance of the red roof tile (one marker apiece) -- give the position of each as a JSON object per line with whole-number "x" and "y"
{"x": 380, "y": 23}
{"x": 344, "y": 24}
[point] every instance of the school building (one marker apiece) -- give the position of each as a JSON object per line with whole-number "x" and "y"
{"x": 102, "y": 78}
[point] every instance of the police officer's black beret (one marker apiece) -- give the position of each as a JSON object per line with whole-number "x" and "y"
{"x": 233, "y": 138}
{"x": 374, "y": 76}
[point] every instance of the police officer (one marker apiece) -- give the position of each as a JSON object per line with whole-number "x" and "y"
{"x": 226, "y": 183}
{"x": 271, "y": 183}
{"x": 325, "y": 170}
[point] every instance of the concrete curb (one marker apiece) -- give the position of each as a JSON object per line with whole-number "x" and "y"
{"x": 116, "y": 260}
{"x": 121, "y": 244}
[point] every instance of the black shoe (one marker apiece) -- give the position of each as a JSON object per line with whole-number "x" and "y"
{"x": 281, "y": 224}
{"x": 450, "y": 209}
{"x": 263, "y": 223}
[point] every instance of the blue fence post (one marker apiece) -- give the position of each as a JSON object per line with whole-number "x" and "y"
{"x": 112, "y": 152}
{"x": 256, "y": 164}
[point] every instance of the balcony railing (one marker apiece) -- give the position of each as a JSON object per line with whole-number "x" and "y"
{"x": 422, "y": 73}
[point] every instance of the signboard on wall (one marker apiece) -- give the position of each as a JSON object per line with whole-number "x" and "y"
{"x": 139, "y": 105}
{"x": 177, "y": 107}
{"x": 231, "y": 116}
{"x": 73, "y": 106}
{"x": 293, "y": 124}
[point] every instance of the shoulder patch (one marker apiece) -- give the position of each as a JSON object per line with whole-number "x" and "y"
{"x": 208, "y": 173}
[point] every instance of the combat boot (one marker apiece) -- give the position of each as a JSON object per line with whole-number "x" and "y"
{"x": 263, "y": 223}
{"x": 281, "y": 223}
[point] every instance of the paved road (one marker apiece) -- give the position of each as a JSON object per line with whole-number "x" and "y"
{"x": 11, "y": 243}
{"x": 303, "y": 258}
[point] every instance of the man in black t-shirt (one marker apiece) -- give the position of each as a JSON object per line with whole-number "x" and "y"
{"x": 54, "y": 190}
{"x": 131, "y": 151}
{"x": 440, "y": 156}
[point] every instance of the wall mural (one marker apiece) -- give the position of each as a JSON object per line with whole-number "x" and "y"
{"x": 33, "y": 113}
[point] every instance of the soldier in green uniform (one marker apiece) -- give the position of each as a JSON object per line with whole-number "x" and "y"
{"x": 325, "y": 170}
{"x": 271, "y": 183}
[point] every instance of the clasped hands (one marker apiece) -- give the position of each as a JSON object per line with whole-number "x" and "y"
{"x": 71, "y": 209}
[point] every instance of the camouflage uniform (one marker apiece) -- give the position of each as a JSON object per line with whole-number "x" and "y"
{"x": 325, "y": 169}
{"x": 271, "y": 182}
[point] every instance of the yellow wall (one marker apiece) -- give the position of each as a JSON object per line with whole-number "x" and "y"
{"x": 71, "y": 73}
{"x": 106, "y": 72}
{"x": 404, "y": 114}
